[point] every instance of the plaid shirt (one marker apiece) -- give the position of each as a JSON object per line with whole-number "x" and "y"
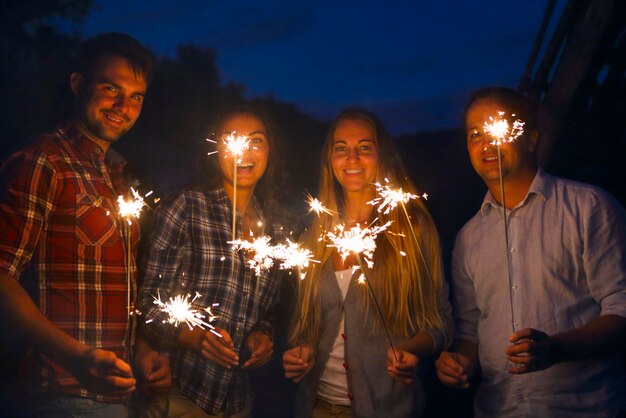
{"x": 188, "y": 253}
{"x": 60, "y": 237}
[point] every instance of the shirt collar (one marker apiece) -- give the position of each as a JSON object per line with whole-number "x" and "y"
{"x": 540, "y": 186}
{"x": 89, "y": 148}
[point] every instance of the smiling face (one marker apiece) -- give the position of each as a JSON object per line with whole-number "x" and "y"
{"x": 354, "y": 155}
{"x": 108, "y": 101}
{"x": 518, "y": 159}
{"x": 252, "y": 163}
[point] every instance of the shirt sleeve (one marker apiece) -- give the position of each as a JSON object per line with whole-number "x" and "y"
{"x": 604, "y": 253}
{"x": 160, "y": 265}
{"x": 466, "y": 312}
{"x": 28, "y": 185}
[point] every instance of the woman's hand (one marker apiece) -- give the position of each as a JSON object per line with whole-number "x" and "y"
{"x": 298, "y": 362}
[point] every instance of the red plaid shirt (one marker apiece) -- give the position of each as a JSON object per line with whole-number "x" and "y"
{"x": 60, "y": 235}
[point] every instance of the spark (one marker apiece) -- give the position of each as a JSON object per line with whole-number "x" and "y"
{"x": 316, "y": 206}
{"x": 263, "y": 255}
{"x": 131, "y": 208}
{"x": 236, "y": 145}
{"x": 389, "y": 198}
{"x": 356, "y": 240}
{"x": 179, "y": 309}
{"x": 500, "y": 129}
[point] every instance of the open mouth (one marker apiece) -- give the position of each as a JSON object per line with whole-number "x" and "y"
{"x": 353, "y": 171}
{"x": 245, "y": 167}
{"x": 116, "y": 119}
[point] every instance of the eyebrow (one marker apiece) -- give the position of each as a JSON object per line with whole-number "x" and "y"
{"x": 117, "y": 86}
{"x": 257, "y": 133}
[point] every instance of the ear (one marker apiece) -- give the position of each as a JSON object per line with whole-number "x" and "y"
{"x": 77, "y": 81}
{"x": 532, "y": 140}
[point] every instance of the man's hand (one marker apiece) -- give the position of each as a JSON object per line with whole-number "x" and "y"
{"x": 404, "y": 368}
{"x": 261, "y": 348}
{"x": 454, "y": 369}
{"x": 532, "y": 350}
{"x": 154, "y": 372}
{"x": 298, "y": 362}
{"x": 104, "y": 373}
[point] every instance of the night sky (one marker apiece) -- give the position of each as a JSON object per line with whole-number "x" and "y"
{"x": 412, "y": 62}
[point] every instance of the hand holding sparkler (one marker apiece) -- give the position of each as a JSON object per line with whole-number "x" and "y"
{"x": 403, "y": 369}
{"x": 261, "y": 349}
{"x": 298, "y": 362}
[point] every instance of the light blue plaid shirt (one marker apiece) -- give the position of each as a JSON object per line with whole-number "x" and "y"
{"x": 568, "y": 264}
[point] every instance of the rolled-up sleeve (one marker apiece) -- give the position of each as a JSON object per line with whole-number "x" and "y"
{"x": 604, "y": 253}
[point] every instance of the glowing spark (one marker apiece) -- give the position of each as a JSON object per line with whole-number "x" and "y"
{"x": 501, "y": 131}
{"x": 389, "y": 198}
{"x": 236, "y": 145}
{"x": 356, "y": 240}
{"x": 263, "y": 255}
{"x": 317, "y": 206}
{"x": 259, "y": 250}
{"x": 293, "y": 256}
{"x": 131, "y": 208}
{"x": 179, "y": 310}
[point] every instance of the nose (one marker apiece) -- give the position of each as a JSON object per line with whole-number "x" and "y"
{"x": 353, "y": 154}
{"x": 121, "y": 103}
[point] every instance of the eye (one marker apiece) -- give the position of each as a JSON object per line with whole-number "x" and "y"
{"x": 339, "y": 148}
{"x": 473, "y": 135}
{"x": 110, "y": 88}
{"x": 137, "y": 97}
{"x": 366, "y": 147}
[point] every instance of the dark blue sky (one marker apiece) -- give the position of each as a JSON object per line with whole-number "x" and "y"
{"x": 412, "y": 62}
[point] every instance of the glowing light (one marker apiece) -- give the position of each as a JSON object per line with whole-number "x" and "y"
{"x": 236, "y": 145}
{"x": 317, "y": 206}
{"x": 500, "y": 129}
{"x": 356, "y": 240}
{"x": 179, "y": 309}
{"x": 389, "y": 198}
{"x": 263, "y": 255}
{"x": 131, "y": 208}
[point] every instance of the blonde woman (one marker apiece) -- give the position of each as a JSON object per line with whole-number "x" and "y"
{"x": 340, "y": 352}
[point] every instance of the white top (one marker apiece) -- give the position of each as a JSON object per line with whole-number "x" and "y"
{"x": 333, "y": 385}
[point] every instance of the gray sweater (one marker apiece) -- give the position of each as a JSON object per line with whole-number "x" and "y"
{"x": 372, "y": 391}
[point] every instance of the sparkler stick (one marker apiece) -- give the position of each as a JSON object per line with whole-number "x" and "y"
{"x": 129, "y": 209}
{"x": 501, "y": 131}
{"x": 357, "y": 241}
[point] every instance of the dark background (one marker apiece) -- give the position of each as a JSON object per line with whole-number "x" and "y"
{"x": 413, "y": 64}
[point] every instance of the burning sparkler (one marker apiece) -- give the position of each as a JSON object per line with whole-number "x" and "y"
{"x": 179, "y": 309}
{"x": 317, "y": 206}
{"x": 263, "y": 255}
{"x": 389, "y": 199}
{"x": 501, "y": 131}
{"x": 129, "y": 209}
{"x": 357, "y": 241}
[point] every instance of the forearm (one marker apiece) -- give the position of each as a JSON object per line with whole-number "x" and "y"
{"x": 603, "y": 335}
{"x": 19, "y": 310}
{"x": 420, "y": 344}
{"x": 470, "y": 350}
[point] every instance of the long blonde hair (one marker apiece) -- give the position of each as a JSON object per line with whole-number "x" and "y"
{"x": 405, "y": 290}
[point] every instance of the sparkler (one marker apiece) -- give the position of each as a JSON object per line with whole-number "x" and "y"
{"x": 501, "y": 132}
{"x": 129, "y": 209}
{"x": 263, "y": 255}
{"x": 317, "y": 206}
{"x": 389, "y": 199}
{"x": 179, "y": 309}
{"x": 357, "y": 241}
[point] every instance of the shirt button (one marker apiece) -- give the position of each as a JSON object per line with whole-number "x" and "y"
{"x": 345, "y": 365}
{"x": 516, "y": 323}
{"x": 514, "y": 287}
{"x": 512, "y": 249}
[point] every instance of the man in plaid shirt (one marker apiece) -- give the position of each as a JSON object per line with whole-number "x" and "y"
{"x": 63, "y": 263}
